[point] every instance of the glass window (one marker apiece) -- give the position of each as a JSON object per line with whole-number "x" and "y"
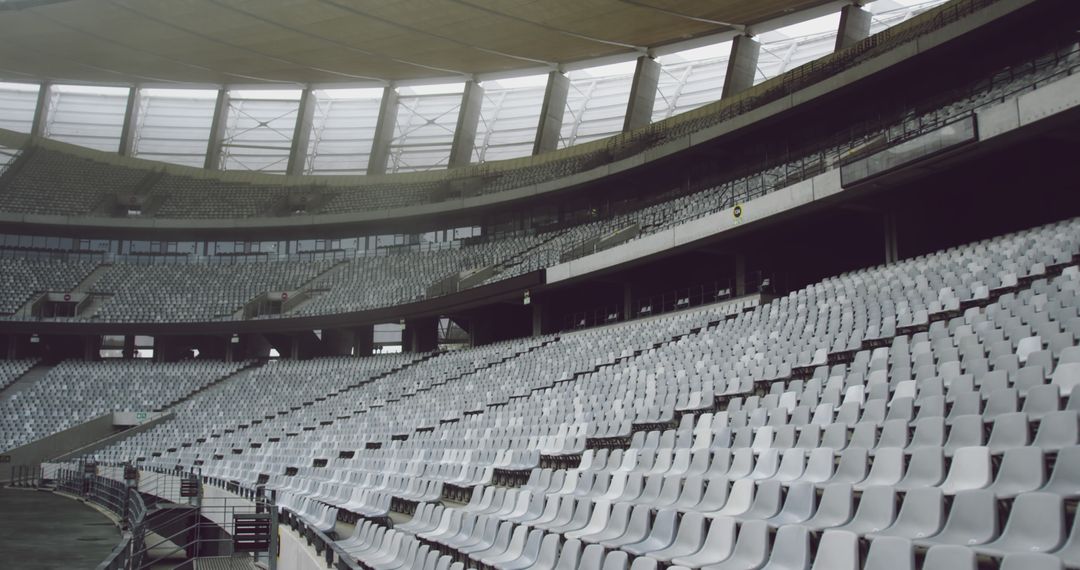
{"x": 18, "y": 103}
{"x": 87, "y": 116}
{"x": 342, "y": 130}
{"x": 509, "y": 117}
{"x": 174, "y": 125}
{"x": 259, "y": 129}
{"x": 690, "y": 79}
{"x": 596, "y": 103}
{"x": 426, "y": 118}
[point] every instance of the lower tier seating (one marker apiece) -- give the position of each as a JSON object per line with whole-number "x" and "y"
{"x": 913, "y": 415}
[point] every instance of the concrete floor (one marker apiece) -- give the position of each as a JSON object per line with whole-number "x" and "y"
{"x": 43, "y": 531}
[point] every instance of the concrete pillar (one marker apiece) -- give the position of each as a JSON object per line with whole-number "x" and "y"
{"x": 549, "y": 129}
{"x": 131, "y": 123}
{"x": 461, "y": 150}
{"x": 128, "y": 351}
{"x": 420, "y": 335}
{"x": 233, "y": 347}
{"x": 41, "y": 112}
{"x": 628, "y": 302}
{"x": 539, "y": 318}
{"x": 92, "y": 348}
{"x": 384, "y": 132}
{"x": 217, "y": 131}
{"x": 364, "y": 340}
{"x": 892, "y": 248}
{"x": 740, "y": 275}
{"x": 854, "y": 26}
{"x": 256, "y": 346}
{"x": 639, "y": 108}
{"x": 301, "y": 137}
{"x": 741, "y": 66}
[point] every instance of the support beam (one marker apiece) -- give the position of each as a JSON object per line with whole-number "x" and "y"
{"x": 92, "y": 348}
{"x": 639, "y": 108}
{"x": 461, "y": 150}
{"x": 892, "y": 248}
{"x": 420, "y": 335}
{"x": 301, "y": 137}
{"x": 741, "y": 65}
{"x": 364, "y": 340}
{"x": 549, "y": 129}
{"x": 384, "y": 132}
{"x": 740, "y": 274}
{"x": 540, "y": 318}
{"x": 628, "y": 302}
{"x": 41, "y": 112}
{"x": 131, "y": 123}
{"x": 217, "y": 131}
{"x": 854, "y": 26}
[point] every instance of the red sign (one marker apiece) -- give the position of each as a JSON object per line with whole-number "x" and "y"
{"x": 67, "y": 296}
{"x": 284, "y": 296}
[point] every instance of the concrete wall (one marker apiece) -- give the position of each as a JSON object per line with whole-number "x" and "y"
{"x": 57, "y": 444}
{"x": 753, "y": 212}
{"x": 80, "y": 440}
{"x": 295, "y": 553}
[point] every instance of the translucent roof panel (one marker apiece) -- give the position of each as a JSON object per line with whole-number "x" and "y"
{"x": 174, "y": 125}
{"x": 508, "y": 118}
{"x": 786, "y": 48}
{"x": 596, "y": 103}
{"x": 259, "y": 129}
{"x": 342, "y": 130}
{"x": 18, "y": 102}
{"x": 424, "y": 133}
{"x": 888, "y": 13}
{"x": 690, "y": 79}
{"x": 791, "y": 46}
{"x": 87, "y": 116}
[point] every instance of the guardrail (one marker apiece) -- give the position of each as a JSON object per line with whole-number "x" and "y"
{"x": 120, "y": 499}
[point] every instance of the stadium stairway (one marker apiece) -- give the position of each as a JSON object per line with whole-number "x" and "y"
{"x": 249, "y": 366}
{"x": 27, "y": 379}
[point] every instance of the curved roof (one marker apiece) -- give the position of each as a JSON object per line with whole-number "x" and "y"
{"x": 346, "y": 41}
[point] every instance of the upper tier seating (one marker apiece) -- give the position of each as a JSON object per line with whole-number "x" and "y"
{"x": 54, "y": 182}
{"x": 195, "y": 292}
{"x": 900, "y": 407}
{"x": 21, "y": 278}
{"x": 11, "y": 370}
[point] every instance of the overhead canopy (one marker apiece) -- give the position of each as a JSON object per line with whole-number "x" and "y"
{"x": 345, "y": 41}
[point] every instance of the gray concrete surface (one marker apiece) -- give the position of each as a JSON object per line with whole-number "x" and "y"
{"x": 43, "y": 531}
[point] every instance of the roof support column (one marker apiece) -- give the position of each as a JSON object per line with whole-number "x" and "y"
{"x": 639, "y": 108}
{"x": 131, "y": 122}
{"x": 549, "y": 129}
{"x": 741, "y": 65}
{"x": 217, "y": 131}
{"x": 301, "y": 137}
{"x": 461, "y": 150}
{"x": 41, "y": 112}
{"x": 854, "y": 26}
{"x": 384, "y": 132}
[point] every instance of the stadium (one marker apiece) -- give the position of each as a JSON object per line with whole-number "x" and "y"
{"x": 504, "y": 285}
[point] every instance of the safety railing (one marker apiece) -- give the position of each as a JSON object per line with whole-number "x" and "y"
{"x": 861, "y": 141}
{"x": 118, "y": 498}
